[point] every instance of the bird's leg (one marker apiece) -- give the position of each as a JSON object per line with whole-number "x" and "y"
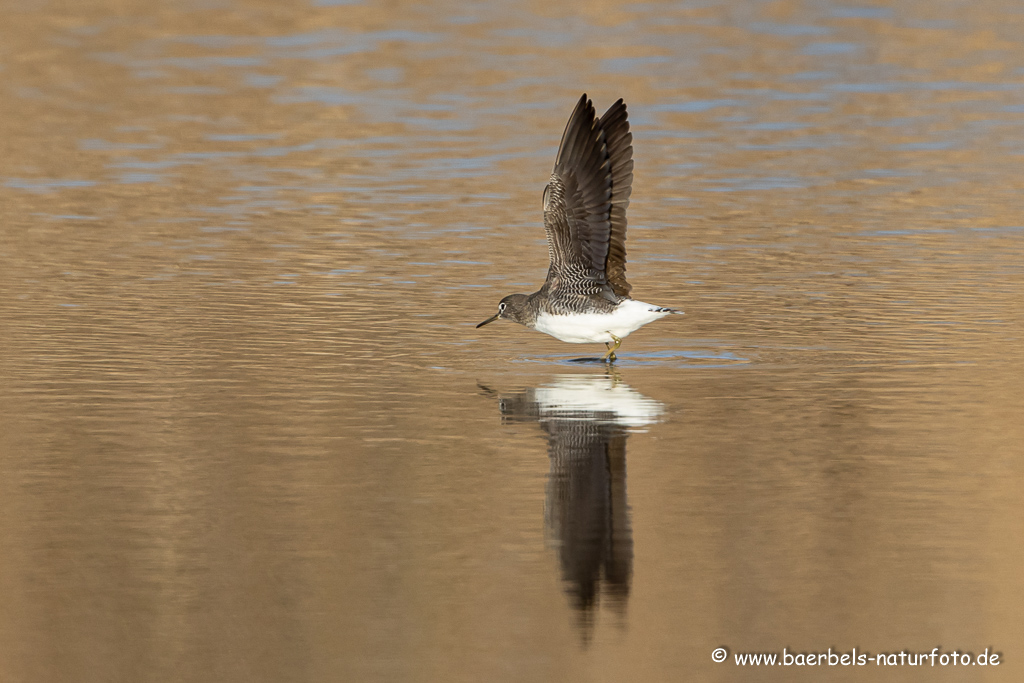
{"x": 610, "y": 356}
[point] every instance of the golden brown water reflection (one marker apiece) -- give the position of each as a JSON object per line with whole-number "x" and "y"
{"x": 248, "y": 430}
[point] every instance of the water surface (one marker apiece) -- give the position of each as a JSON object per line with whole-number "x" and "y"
{"x": 248, "y": 431}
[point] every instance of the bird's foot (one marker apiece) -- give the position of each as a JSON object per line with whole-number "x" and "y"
{"x": 610, "y": 356}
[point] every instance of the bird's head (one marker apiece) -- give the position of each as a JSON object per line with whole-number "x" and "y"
{"x": 513, "y": 307}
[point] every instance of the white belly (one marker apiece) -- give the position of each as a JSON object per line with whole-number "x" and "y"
{"x": 583, "y": 328}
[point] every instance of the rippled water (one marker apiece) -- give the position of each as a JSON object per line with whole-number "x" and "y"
{"x": 248, "y": 431}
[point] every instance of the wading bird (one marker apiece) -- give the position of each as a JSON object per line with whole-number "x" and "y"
{"x": 585, "y": 298}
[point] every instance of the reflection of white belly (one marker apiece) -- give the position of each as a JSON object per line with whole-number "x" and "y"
{"x": 596, "y": 398}
{"x": 581, "y": 328}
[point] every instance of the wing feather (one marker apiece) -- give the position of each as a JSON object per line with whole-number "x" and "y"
{"x": 585, "y": 203}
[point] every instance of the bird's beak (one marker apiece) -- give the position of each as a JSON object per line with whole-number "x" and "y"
{"x": 489, "y": 320}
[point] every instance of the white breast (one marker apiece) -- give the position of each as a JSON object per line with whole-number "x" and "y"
{"x": 583, "y": 328}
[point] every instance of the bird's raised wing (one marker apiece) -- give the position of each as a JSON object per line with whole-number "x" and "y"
{"x": 585, "y": 203}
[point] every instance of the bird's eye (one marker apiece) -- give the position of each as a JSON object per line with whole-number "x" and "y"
{"x": 501, "y": 307}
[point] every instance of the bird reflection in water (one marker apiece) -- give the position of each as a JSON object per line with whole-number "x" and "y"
{"x": 587, "y": 419}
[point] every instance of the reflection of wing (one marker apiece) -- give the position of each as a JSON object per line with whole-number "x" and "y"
{"x": 586, "y": 508}
{"x": 587, "y": 420}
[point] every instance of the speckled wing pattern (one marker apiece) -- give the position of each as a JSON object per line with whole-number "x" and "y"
{"x": 585, "y": 205}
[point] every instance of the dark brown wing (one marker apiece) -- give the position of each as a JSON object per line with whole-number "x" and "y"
{"x": 620, "y": 154}
{"x": 585, "y": 203}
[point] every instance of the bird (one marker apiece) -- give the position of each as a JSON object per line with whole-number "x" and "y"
{"x": 585, "y": 297}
